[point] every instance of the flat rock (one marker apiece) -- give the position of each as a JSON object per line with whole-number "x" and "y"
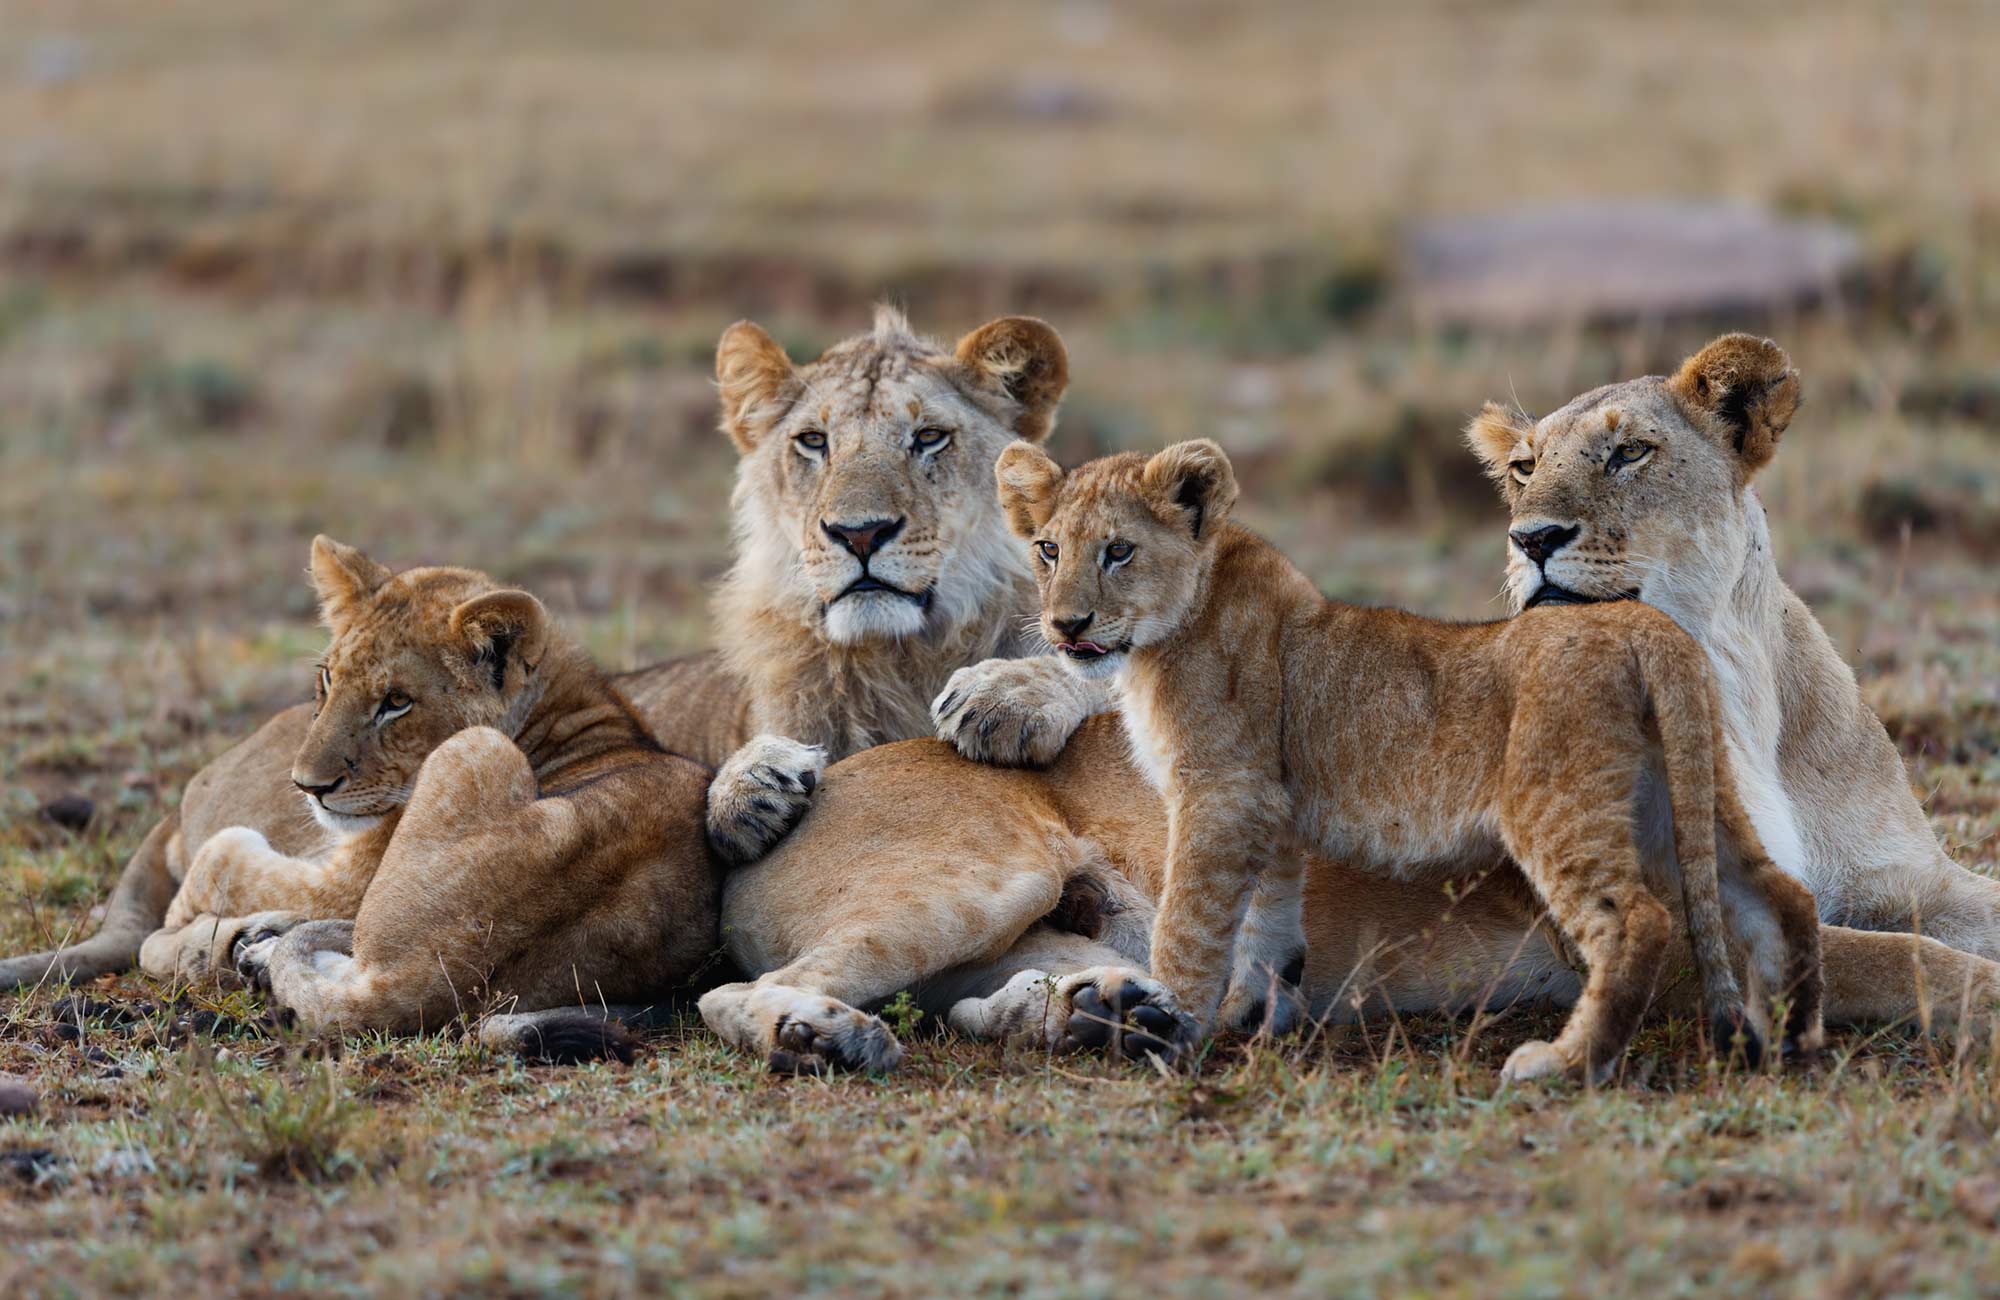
{"x": 1575, "y": 263}
{"x": 16, "y": 1097}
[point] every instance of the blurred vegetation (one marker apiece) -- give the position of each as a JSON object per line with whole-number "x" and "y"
{"x": 444, "y": 281}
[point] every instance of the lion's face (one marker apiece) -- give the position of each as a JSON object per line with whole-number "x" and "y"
{"x": 415, "y": 658}
{"x": 1119, "y": 546}
{"x": 1640, "y": 490}
{"x": 866, "y": 488}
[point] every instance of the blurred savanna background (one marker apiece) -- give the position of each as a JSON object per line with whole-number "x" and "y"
{"x": 444, "y": 280}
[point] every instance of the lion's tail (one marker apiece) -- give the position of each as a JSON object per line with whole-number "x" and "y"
{"x": 138, "y": 905}
{"x": 1689, "y": 717}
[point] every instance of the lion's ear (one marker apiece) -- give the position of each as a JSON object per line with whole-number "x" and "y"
{"x": 755, "y": 377}
{"x": 344, "y": 579}
{"x": 501, "y": 626}
{"x": 1024, "y": 357}
{"x": 1029, "y": 480}
{"x": 1194, "y": 478}
{"x": 1746, "y": 390}
{"x": 1493, "y": 435}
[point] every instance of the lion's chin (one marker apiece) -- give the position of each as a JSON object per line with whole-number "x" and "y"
{"x": 1550, "y": 593}
{"x": 1095, "y": 667}
{"x": 341, "y": 823}
{"x": 863, "y": 616}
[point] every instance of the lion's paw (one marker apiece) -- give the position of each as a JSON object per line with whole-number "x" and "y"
{"x": 1011, "y": 712}
{"x": 818, "y": 1035}
{"x": 250, "y": 951}
{"x": 1261, "y": 1000}
{"x": 763, "y": 791}
{"x": 1534, "y": 1060}
{"x": 1121, "y": 1012}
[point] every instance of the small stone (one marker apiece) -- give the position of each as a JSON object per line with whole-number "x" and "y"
{"x": 16, "y": 1098}
{"x": 70, "y": 811}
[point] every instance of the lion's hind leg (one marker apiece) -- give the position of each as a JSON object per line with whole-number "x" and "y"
{"x": 917, "y": 918}
{"x": 1776, "y": 921}
{"x": 1576, "y": 845}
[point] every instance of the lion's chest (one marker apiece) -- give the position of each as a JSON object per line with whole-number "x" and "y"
{"x": 1146, "y": 736}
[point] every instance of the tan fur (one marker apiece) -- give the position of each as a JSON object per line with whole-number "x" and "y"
{"x": 1399, "y": 745}
{"x": 1681, "y": 529}
{"x": 500, "y": 828}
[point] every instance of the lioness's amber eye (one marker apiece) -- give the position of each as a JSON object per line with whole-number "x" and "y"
{"x": 812, "y": 440}
{"x": 1630, "y": 453}
{"x": 1118, "y": 552}
{"x": 1049, "y": 551}
{"x": 325, "y": 680}
{"x": 1522, "y": 469}
{"x": 931, "y": 436}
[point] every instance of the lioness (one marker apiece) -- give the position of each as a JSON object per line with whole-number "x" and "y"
{"x": 1403, "y": 746}
{"x": 1643, "y": 490}
{"x": 503, "y": 827}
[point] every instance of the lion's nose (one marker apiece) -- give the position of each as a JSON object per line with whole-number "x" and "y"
{"x": 320, "y": 791}
{"x": 1072, "y": 628}
{"x": 865, "y": 538}
{"x": 1538, "y": 544}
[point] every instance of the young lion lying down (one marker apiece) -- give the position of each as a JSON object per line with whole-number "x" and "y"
{"x": 1403, "y": 746}
{"x": 499, "y": 825}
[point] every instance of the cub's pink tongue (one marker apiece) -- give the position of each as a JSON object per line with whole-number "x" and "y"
{"x": 1085, "y": 647}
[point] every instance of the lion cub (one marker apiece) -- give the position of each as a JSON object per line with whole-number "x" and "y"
{"x": 1404, "y": 746}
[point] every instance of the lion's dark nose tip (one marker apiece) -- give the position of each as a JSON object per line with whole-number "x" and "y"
{"x": 1072, "y": 628}
{"x": 1538, "y": 544}
{"x": 319, "y": 791}
{"x": 865, "y": 538}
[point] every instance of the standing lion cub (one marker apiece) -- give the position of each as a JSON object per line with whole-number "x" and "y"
{"x": 1403, "y": 746}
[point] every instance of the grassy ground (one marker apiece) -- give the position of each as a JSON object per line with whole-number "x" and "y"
{"x": 445, "y": 286}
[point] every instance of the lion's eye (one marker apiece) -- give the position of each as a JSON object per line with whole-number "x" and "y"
{"x": 930, "y": 438}
{"x": 1117, "y": 553}
{"x": 812, "y": 440}
{"x": 325, "y": 682}
{"x": 1629, "y": 453}
{"x": 1048, "y": 550}
{"x": 1521, "y": 469}
{"x": 394, "y": 705}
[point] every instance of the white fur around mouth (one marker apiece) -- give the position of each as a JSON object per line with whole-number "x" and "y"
{"x": 1101, "y": 663}
{"x": 339, "y": 823}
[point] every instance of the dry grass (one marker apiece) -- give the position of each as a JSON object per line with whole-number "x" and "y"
{"x": 444, "y": 283}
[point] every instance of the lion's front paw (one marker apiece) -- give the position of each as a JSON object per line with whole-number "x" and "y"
{"x": 1011, "y": 712}
{"x": 1121, "y": 1012}
{"x": 760, "y": 794}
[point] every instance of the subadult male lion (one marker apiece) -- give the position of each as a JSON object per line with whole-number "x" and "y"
{"x": 871, "y": 562}
{"x": 498, "y": 825}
